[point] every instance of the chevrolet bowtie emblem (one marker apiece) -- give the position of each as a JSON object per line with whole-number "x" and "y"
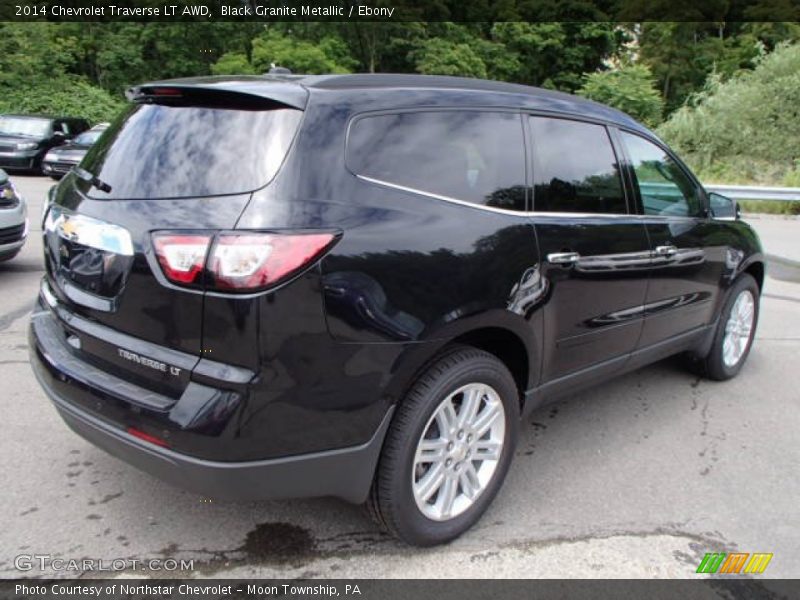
{"x": 69, "y": 229}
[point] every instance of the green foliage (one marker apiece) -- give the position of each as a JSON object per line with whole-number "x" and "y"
{"x": 769, "y": 207}
{"x": 437, "y": 56}
{"x": 298, "y": 55}
{"x": 683, "y": 55}
{"x": 741, "y": 124}
{"x": 63, "y": 95}
{"x": 555, "y": 55}
{"x": 631, "y": 89}
{"x": 746, "y": 128}
{"x": 792, "y": 178}
{"x": 232, "y": 63}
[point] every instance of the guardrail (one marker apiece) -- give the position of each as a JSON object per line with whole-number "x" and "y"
{"x": 750, "y": 192}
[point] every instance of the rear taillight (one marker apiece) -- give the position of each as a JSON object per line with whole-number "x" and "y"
{"x": 238, "y": 262}
{"x": 182, "y": 256}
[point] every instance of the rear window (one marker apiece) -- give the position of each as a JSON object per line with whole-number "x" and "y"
{"x": 157, "y": 151}
{"x": 471, "y": 156}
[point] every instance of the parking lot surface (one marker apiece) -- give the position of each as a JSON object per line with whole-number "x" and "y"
{"x": 639, "y": 477}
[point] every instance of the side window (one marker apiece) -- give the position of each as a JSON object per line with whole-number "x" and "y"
{"x": 63, "y": 126}
{"x": 472, "y": 156}
{"x": 575, "y": 168}
{"x": 664, "y": 187}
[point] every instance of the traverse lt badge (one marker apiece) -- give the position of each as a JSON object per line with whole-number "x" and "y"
{"x": 149, "y": 362}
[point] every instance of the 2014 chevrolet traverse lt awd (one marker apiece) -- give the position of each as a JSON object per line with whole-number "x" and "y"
{"x": 356, "y": 285}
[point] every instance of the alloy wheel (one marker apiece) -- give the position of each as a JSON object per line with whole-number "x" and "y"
{"x": 458, "y": 452}
{"x": 738, "y": 329}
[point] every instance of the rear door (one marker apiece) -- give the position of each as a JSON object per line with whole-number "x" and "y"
{"x": 687, "y": 265}
{"x": 595, "y": 253}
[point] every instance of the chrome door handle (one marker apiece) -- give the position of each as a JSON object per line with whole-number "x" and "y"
{"x": 563, "y": 258}
{"x": 668, "y": 250}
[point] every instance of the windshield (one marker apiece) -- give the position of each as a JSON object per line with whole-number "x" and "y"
{"x": 157, "y": 151}
{"x": 24, "y": 126}
{"x": 88, "y": 138}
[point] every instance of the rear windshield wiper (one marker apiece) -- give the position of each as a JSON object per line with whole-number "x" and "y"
{"x": 93, "y": 179}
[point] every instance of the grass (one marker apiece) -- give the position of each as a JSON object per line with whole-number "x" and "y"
{"x": 770, "y": 207}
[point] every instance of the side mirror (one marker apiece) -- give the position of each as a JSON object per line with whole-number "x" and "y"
{"x": 723, "y": 208}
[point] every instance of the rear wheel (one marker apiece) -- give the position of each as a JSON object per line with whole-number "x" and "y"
{"x": 735, "y": 331}
{"x": 448, "y": 449}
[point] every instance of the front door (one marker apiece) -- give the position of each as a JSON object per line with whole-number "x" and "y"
{"x": 595, "y": 252}
{"x": 687, "y": 264}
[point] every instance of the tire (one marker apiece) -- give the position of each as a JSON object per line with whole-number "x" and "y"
{"x": 392, "y": 502}
{"x": 714, "y": 365}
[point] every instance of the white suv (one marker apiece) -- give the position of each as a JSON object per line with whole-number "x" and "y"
{"x": 13, "y": 219}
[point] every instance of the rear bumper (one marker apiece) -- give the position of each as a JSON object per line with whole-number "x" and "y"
{"x": 85, "y": 399}
{"x": 345, "y": 473}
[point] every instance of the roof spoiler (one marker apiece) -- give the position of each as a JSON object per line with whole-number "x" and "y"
{"x": 249, "y": 94}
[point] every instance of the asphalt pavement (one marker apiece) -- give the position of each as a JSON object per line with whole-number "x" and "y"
{"x": 639, "y": 477}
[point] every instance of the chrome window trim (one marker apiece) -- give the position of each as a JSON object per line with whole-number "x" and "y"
{"x": 522, "y": 213}
{"x": 403, "y": 188}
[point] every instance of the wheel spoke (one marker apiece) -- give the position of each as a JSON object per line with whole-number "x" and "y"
{"x": 487, "y": 450}
{"x": 431, "y": 481}
{"x": 447, "y": 496}
{"x": 486, "y": 418}
{"x": 446, "y": 418}
{"x": 469, "y": 406}
{"x": 431, "y": 450}
{"x": 470, "y": 484}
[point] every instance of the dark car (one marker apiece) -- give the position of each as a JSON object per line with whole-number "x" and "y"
{"x": 60, "y": 159}
{"x": 24, "y": 139}
{"x": 357, "y": 285}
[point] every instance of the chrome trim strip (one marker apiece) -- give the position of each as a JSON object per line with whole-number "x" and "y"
{"x": 522, "y": 213}
{"x": 403, "y": 188}
{"x": 47, "y": 294}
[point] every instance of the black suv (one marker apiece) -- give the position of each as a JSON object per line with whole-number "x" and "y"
{"x": 25, "y": 139}
{"x": 356, "y": 285}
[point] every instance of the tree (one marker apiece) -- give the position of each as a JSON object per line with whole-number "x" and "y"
{"x": 746, "y": 127}
{"x": 442, "y": 57}
{"x": 630, "y": 88}
{"x": 232, "y": 63}
{"x": 555, "y": 55}
{"x": 273, "y": 47}
{"x": 682, "y": 55}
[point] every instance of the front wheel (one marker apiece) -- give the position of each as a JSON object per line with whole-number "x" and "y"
{"x": 448, "y": 449}
{"x": 735, "y": 331}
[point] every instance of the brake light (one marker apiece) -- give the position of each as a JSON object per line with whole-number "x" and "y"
{"x": 182, "y": 256}
{"x": 253, "y": 261}
{"x": 240, "y": 262}
{"x": 147, "y": 437}
{"x": 164, "y": 91}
